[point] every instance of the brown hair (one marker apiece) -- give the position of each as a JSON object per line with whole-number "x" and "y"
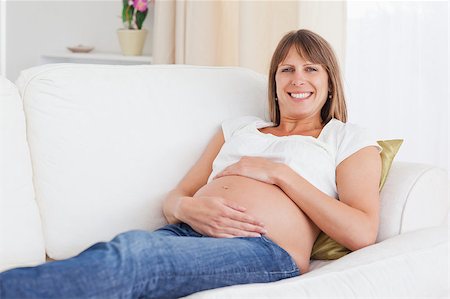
{"x": 316, "y": 49}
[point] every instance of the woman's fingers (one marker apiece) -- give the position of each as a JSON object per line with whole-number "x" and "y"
{"x": 239, "y": 228}
{"x": 257, "y": 168}
{"x": 233, "y": 233}
{"x": 238, "y": 220}
{"x": 221, "y": 218}
{"x": 238, "y": 213}
{"x": 235, "y": 206}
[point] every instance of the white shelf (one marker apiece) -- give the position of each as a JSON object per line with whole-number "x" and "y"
{"x": 94, "y": 58}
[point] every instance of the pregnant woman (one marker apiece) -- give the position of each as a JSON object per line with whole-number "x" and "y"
{"x": 251, "y": 207}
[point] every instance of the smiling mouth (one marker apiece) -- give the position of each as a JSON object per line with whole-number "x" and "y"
{"x": 300, "y": 96}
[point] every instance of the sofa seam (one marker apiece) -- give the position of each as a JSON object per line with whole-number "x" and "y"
{"x": 33, "y": 168}
{"x": 25, "y": 88}
{"x": 159, "y": 66}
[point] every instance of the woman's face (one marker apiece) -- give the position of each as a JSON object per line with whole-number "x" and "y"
{"x": 302, "y": 87}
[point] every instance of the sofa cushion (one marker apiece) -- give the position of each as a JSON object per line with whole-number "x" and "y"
{"x": 411, "y": 265}
{"x": 109, "y": 142}
{"x": 390, "y": 150}
{"x": 21, "y": 240}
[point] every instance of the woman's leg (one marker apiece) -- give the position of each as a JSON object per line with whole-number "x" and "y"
{"x": 172, "y": 262}
{"x": 104, "y": 270}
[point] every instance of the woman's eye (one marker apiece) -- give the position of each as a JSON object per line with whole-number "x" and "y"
{"x": 311, "y": 69}
{"x": 288, "y": 69}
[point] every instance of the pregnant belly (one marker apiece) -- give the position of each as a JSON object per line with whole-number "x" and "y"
{"x": 286, "y": 224}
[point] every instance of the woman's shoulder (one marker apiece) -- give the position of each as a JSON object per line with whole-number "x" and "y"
{"x": 339, "y": 129}
{"x": 347, "y": 138}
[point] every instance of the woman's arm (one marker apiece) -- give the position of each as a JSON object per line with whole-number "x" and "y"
{"x": 353, "y": 220}
{"x": 196, "y": 178}
{"x": 212, "y": 216}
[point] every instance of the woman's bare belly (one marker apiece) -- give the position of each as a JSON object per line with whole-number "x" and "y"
{"x": 286, "y": 224}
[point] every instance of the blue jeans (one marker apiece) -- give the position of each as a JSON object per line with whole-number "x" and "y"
{"x": 170, "y": 262}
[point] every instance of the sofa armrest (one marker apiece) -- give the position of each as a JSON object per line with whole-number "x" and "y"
{"x": 410, "y": 265}
{"x": 415, "y": 196}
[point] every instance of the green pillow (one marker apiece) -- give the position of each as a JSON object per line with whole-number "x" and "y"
{"x": 326, "y": 248}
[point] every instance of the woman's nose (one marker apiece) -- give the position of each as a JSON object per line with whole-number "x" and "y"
{"x": 297, "y": 82}
{"x": 298, "y": 79}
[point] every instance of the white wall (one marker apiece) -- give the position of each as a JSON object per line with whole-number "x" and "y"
{"x": 2, "y": 37}
{"x": 37, "y": 27}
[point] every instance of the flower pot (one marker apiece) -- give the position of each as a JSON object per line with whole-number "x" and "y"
{"x": 132, "y": 41}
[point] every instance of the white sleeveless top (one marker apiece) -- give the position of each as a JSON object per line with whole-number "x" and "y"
{"x": 315, "y": 159}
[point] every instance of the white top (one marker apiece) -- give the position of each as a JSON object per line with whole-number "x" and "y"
{"x": 315, "y": 159}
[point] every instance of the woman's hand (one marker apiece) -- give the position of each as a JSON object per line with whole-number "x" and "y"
{"x": 218, "y": 217}
{"x": 257, "y": 168}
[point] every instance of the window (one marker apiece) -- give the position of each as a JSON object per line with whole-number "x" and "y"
{"x": 397, "y": 75}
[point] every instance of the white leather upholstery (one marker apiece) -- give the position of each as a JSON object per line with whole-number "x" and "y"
{"x": 415, "y": 196}
{"x": 21, "y": 240}
{"x": 108, "y": 142}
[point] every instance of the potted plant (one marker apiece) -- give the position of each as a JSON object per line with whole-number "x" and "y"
{"x": 132, "y": 36}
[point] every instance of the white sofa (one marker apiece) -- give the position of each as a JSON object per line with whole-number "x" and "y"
{"x": 89, "y": 151}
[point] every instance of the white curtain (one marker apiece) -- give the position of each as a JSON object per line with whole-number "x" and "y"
{"x": 397, "y": 75}
{"x": 238, "y": 33}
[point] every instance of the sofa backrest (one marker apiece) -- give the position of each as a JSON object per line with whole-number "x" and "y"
{"x": 21, "y": 239}
{"x": 109, "y": 142}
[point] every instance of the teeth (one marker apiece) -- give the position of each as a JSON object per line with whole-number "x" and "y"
{"x": 300, "y": 95}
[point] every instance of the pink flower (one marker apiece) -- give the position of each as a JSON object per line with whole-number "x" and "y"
{"x": 140, "y": 5}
